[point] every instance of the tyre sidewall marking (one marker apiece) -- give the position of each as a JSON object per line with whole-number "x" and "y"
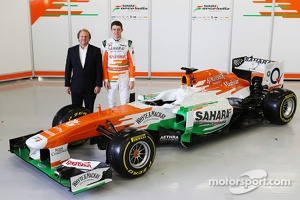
{"x": 143, "y": 169}
{"x": 124, "y": 155}
{"x": 77, "y": 114}
{"x": 281, "y": 106}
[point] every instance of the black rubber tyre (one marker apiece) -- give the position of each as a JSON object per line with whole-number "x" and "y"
{"x": 280, "y": 106}
{"x": 131, "y": 152}
{"x": 68, "y": 113}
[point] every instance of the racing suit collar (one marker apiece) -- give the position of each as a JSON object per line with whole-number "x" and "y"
{"x": 117, "y": 39}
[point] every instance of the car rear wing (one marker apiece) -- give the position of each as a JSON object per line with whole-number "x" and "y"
{"x": 272, "y": 72}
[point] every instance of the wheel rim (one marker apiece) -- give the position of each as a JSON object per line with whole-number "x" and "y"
{"x": 288, "y": 108}
{"x": 139, "y": 154}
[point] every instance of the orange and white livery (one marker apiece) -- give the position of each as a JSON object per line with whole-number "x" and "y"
{"x": 118, "y": 68}
{"x": 207, "y": 104}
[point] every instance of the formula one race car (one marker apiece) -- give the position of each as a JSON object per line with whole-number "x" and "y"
{"x": 207, "y": 104}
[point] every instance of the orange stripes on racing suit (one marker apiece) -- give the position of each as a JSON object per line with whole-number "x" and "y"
{"x": 118, "y": 58}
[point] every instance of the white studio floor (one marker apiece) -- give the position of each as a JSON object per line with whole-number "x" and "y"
{"x": 27, "y": 106}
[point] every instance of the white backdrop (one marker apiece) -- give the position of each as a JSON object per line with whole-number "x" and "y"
{"x": 211, "y": 26}
{"x": 134, "y": 16}
{"x": 170, "y": 35}
{"x": 94, "y": 17}
{"x": 50, "y": 43}
{"x": 167, "y": 35}
{"x": 53, "y": 35}
{"x": 250, "y": 34}
{"x": 286, "y": 42}
{"x": 15, "y": 38}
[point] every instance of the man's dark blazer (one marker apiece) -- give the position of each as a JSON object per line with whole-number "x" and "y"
{"x": 83, "y": 79}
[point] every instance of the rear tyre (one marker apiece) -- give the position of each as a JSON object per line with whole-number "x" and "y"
{"x": 68, "y": 113}
{"x": 131, "y": 152}
{"x": 280, "y": 106}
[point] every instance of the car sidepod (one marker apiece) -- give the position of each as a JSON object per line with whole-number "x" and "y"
{"x": 204, "y": 118}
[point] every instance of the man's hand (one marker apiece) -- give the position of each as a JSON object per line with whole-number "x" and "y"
{"x": 107, "y": 84}
{"x": 68, "y": 90}
{"x": 131, "y": 85}
{"x": 97, "y": 90}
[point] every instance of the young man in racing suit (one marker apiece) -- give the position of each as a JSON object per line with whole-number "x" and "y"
{"x": 118, "y": 65}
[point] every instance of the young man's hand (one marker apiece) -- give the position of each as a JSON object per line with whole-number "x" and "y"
{"x": 107, "y": 85}
{"x": 131, "y": 85}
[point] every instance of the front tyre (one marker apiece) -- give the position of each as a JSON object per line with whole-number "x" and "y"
{"x": 68, "y": 113}
{"x": 131, "y": 152}
{"x": 280, "y": 106}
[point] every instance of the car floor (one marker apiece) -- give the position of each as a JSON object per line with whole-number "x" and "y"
{"x": 29, "y": 105}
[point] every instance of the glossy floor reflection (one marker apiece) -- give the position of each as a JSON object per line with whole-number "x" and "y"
{"x": 27, "y": 106}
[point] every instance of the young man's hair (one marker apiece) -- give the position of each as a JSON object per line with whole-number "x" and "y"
{"x": 116, "y": 23}
{"x": 84, "y": 30}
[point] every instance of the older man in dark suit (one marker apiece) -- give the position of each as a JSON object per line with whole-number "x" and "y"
{"x": 83, "y": 71}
